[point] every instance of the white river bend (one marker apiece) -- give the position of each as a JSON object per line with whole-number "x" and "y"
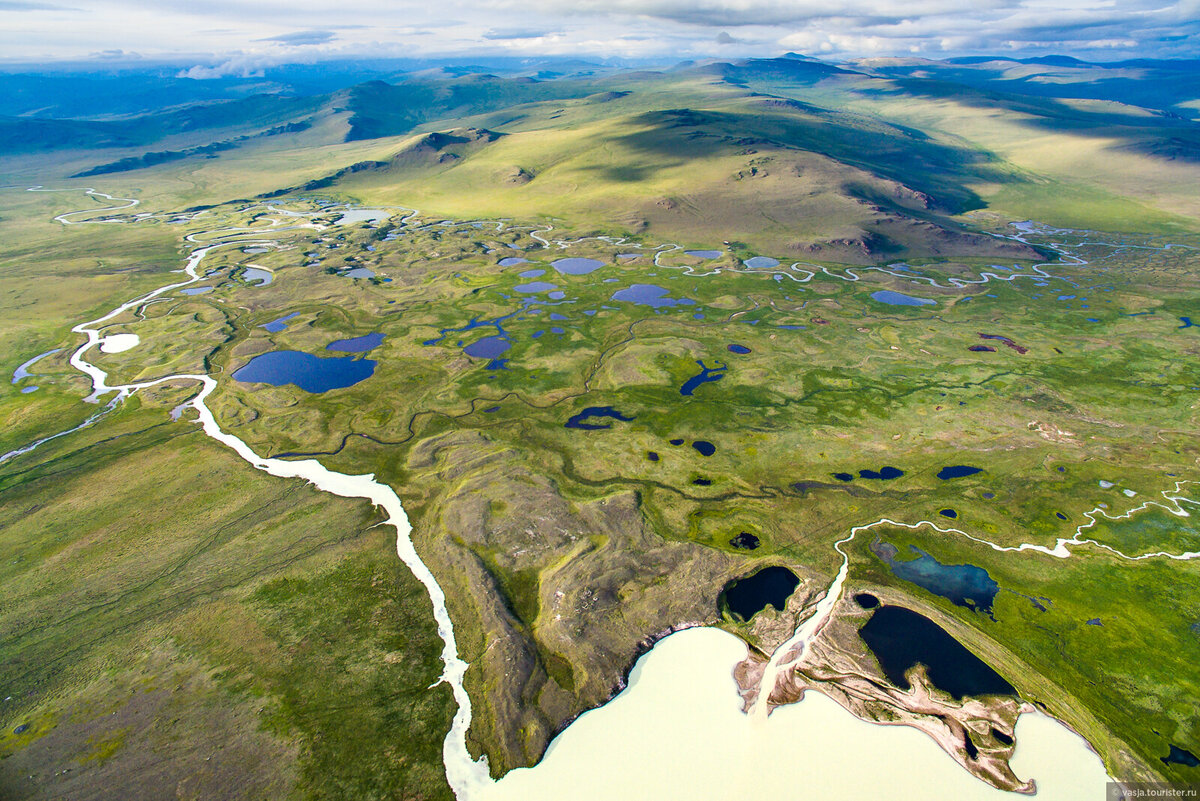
{"x": 676, "y": 731}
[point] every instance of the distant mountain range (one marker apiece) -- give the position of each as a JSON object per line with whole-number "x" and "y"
{"x": 858, "y": 161}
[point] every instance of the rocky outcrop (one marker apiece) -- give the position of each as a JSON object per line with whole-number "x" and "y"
{"x": 556, "y": 594}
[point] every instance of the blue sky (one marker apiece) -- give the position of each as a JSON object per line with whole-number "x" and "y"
{"x": 238, "y": 37}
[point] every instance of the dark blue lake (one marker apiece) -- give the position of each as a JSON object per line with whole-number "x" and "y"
{"x": 901, "y": 639}
{"x": 357, "y": 344}
{"x": 706, "y": 375}
{"x": 745, "y": 541}
{"x": 580, "y": 420}
{"x": 650, "y": 295}
{"x": 577, "y": 266}
{"x": 704, "y": 448}
{"x": 958, "y": 471}
{"x": 310, "y": 373}
{"x": 900, "y": 299}
{"x": 963, "y": 585}
{"x": 885, "y": 473}
{"x": 748, "y": 596}
{"x": 741, "y": 350}
{"x": 866, "y": 600}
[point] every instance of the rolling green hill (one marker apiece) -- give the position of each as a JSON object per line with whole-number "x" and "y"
{"x": 858, "y": 163}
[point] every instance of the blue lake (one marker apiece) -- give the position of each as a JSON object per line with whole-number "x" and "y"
{"x": 257, "y": 276}
{"x": 650, "y": 295}
{"x": 741, "y": 350}
{"x": 963, "y": 585}
{"x": 761, "y": 262}
{"x": 1180, "y": 756}
{"x": 195, "y": 290}
{"x": 532, "y": 273}
{"x": 275, "y": 326}
{"x": 513, "y": 261}
{"x": 534, "y": 287}
{"x": 577, "y": 266}
{"x": 900, "y": 299}
{"x": 704, "y": 254}
{"x": 488, "y": 347}
{"x": 580, "y": 420}
{"x": 310, "y": 373}
{"x": 706, "y": 375}
{"x": 357, "y": 344}
{"x": 359, "y": 272}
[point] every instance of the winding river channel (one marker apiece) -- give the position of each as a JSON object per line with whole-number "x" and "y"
{"x": 677, "y": 730}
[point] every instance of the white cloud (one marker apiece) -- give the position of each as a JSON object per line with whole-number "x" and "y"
{"x": 240, "y": 66}
{"x": 237, "y": 33}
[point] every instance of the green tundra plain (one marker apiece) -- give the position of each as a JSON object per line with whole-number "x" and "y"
{"x": 166, "y": 603}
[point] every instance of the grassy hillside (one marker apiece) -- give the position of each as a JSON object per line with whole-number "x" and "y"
{"x": 243, "y": 638}
{"x": 858, "y": 163}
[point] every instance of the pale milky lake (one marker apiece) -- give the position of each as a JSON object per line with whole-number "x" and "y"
{"x": 677, "y": 732}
